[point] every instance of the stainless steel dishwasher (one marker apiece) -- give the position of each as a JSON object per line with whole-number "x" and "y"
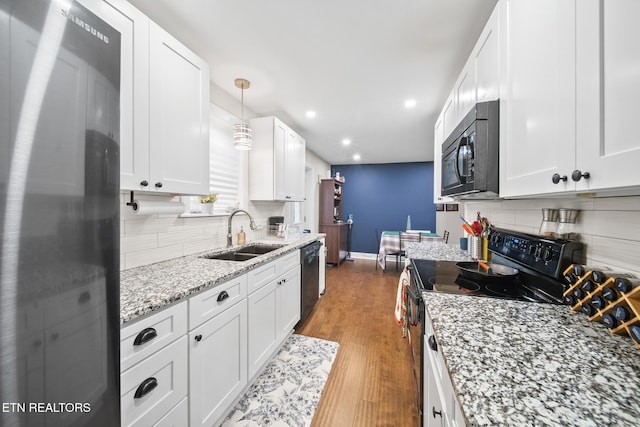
{"x": 310, "y": 283}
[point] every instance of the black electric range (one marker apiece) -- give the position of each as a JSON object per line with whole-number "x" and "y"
{"x": 540, "y": 262}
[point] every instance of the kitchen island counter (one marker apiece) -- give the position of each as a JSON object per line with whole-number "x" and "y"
{"x": 523, "y": 364}
{"x": 152, "y": 287}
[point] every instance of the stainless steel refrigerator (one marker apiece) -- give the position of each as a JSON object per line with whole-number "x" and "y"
{"x": 59, "y": 216}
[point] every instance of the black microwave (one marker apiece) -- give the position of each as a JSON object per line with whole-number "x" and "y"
{"x": 470, "y": 157}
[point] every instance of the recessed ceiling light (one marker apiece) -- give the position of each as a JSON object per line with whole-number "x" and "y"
{"x": 310, "y": 114}
{"x": 356, "y": 156}
{"x": 346, "y": 141}
{"x": 410, "y": 103}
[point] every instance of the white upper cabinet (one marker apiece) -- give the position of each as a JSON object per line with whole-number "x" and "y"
{"x": 571, "y": 92}
{"x": 465, "y": 90}
{"x": 276, "y": 162}
{"x": 537, "y": 109}
{"x": 608, "y": 90}
{"x": 179, "y": 116}
{"x": 438, "y": 139}
{"x": 486, "y": 55}
{"x": 164, "y": 105}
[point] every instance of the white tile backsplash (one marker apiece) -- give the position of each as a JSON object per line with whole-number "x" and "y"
{"x": 147, "y": 239}
{"x": 609, "y": 226}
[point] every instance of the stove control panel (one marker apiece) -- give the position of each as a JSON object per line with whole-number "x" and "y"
{"x": 546, "y": 256}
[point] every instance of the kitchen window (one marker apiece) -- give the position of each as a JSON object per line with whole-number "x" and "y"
{"x": 228, "y": 167}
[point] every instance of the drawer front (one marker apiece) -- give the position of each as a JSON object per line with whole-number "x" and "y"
{"x": 167, "y": 326}
{"x": 178, "y": 417}
{"x": 208, "y": 304}
{"x": 287, "y": 262}
{"x": 260, "y": 276}
{"x": 168, "y": 367}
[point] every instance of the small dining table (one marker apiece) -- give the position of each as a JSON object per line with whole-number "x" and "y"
{"x": 392, "y": 242}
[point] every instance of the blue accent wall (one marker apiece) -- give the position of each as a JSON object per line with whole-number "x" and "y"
{"x": 382, "y": 195}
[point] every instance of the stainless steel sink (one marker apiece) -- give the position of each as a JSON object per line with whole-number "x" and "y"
{"x": 245, "y": 253}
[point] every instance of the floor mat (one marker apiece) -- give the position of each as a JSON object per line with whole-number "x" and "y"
{"x": 288, "y": 391}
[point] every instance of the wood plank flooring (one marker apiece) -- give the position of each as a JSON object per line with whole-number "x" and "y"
{"x": 371, "y": 380}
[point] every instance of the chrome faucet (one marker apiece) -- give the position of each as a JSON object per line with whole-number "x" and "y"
{"x": 252, "y": 224}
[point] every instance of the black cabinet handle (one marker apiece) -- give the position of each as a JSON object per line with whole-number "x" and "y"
{"x": 146, "y": 387}
{"x": 198, "y": 337}
{"x": 436, "y": 412}
{"x": 144, "y": 183}
{"x": 145, "y": 335}
{"x": 577, "y": 175}
{"x": 432, "y": 343}
{"x": 556, "y": 178}
{"x": 158, "y": 185}
{"x": 84, "y": 297}
{"x": 223, "y": 296}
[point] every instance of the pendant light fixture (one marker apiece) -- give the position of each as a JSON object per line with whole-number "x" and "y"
{"x": 241, "y": 131}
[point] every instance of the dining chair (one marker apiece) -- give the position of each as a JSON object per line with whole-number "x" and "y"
{"x": 445, "y": 236}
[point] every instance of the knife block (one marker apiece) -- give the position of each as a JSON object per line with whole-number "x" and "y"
{"x": 630, "y": 300}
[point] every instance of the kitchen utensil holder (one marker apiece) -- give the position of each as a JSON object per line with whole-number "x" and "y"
{"x": 631, "y": 300}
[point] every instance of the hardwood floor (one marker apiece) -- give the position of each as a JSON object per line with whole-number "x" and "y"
{"x": 371, "y": 380}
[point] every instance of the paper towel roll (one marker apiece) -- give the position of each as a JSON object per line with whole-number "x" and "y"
{"x": 145, "y": 207}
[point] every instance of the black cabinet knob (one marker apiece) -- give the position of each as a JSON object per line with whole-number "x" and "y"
{"x": 144, "y": 183}
{"x": 158, "y": 185}
{"x": 198, "y": 337}
{"x": 432, "y": 343}
{"x": 436, "y": 412}
{"x": 556, "y": 178}
{"x": 577, "y": 175}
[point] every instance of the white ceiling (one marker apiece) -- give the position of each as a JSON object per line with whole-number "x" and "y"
{"x": 353, "y": 62}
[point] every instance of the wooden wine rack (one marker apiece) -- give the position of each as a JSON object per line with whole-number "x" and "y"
{"x": 631, "y": 300}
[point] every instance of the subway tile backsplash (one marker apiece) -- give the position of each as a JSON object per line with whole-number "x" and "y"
{"x": 608, "y": 226}
{"x": 147, "y": 239}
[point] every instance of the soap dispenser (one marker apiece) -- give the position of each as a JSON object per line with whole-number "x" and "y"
{"x": 242, "y": 237}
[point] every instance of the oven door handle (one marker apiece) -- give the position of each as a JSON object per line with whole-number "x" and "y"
{"x": 433, "y": 345}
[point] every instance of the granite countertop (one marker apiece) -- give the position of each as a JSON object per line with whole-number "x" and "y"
{"x": 524, "y": 364}
{"x": 151, "y": 287}
{"x": 437, "y": 250}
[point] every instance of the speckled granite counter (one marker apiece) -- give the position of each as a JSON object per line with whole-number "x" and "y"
{"x": 435, "y": 250}
{"x": 526, "y": 364}
{"x": 151, "y": 287}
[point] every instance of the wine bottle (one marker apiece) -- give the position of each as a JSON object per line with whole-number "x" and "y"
{"x": 588, "y": 286}
{"x": 598, "y": 276}
{"x": 578, "y": 270}
{"x": 609, "y": 321}
{"x": 588, "y": 309}
{"x": 623, "y": 284}
{"x": 578, "y": 293}
{"x": 598, "y": 302}
{"x": 621, "y": 313}
{"x": 634, "y": 331}
{"x": 571, "y": 278}
{"x": 609, "y": 293}
{"x": 569, "y": 299}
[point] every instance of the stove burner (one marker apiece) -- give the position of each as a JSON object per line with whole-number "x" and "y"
{"x": 465, "y": 283}
{"x": 498, "y": 290}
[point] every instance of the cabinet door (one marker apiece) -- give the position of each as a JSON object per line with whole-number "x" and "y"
{"x": 263, "y": 326}
{"x": 133, "y": 26}
{"x": 217, "y": 364}
{"x": 487, "y": 60}
{"x": 179, "y": 116}
{"x": 608, "y": 89}
{"x": 289, "y": 300}
{"x": 438, "y": 139}
{"x": 465, "y": 89}
{"x": 449, "y": 114}
{"x": 537, "y": 110}
{"x": 280, "y": 132}
{"x": 294, "y": 167}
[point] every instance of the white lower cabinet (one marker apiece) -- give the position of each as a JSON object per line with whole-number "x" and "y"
{"x": 189, "y": 363}
{"x": 217, "y": 364}
{"x": 150, "y": 389}
{"x": 441, "y": 407}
